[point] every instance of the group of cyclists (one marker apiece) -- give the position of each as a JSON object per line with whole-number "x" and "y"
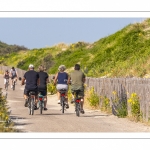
{"x": 12, "y": 74}
{"x": 37, "y": 81}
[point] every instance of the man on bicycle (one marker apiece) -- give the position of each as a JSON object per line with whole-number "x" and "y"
{"x": 6, "y": 77}
{"x": 42, "y": 87}
{"x": 77, "y": 80}
{"x": 13, "y": 75}
{"x": 31, "y": 78}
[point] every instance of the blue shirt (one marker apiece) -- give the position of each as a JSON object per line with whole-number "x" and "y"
{"x": 62, "y": 78}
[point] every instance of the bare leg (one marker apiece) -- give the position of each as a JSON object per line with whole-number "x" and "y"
{"x": 45, "y": 102}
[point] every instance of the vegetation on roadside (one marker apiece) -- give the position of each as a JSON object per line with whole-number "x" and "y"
{"x": 134, "y": 104}
{"x": 5, "y": 123}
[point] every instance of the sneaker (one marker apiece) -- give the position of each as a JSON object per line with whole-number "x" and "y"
{"x": 26, "y": 103}
{"x": 67, "y": 105}
{"x": 58, "y": 101}
{"x": 82, "y": 111}
{"x": 45, "y": 108}
{"x": 72, "y": 101}
{"x": 35, "y": 108}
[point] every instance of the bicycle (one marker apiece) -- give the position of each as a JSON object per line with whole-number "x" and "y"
{"x": 62, "y": 99}
{"x": 41, "y": 102}
{"x": 31, "y": 102}
{"x": 77, "y": 101}
{"x": 6, "y": 84}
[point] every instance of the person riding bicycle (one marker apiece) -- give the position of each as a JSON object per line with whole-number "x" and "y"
{"x": 31, "y": 78}
{"x": 77, "y": 80}
{"x": 42, "y": 87}
{"x": 61, "y": 79}
{"x": 13, "y": 75}
{"x": 6, "y": 77}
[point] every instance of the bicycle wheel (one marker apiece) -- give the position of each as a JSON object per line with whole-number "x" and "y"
{"x": 78, "y": 109}
{"x": 32, "y": 106}
{"x": 14, "y": 85}
{"x": 63, "y": 104}
{"x": 29, "y": 106}
{"x": 40, "y": 106}
{"x": 6, "y": 86}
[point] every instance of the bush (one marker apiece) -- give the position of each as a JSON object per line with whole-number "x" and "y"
{"x": 51, "y": 88}
{"x": 105, "y": 104}
{"x": 119, "y": 106}
{"x": 5, "y": 123}
{"x": 93, "y": 98}
{"x": 134, "y": 103}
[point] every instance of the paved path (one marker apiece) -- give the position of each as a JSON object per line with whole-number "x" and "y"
{"x": 53, "y": 120}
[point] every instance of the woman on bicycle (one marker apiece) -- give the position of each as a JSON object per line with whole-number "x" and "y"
{"x": 42, "y": 87}
{"x": 61, "y": 79}
{"x": 6, "y": 77}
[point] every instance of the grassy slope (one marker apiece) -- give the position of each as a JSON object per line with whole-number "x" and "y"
{"x": 124, "y": 53}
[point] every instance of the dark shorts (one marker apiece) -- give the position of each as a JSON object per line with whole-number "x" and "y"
{"x": 80, "y": 92}
{"x": 43, "y": 92}
{"x": 13, "y": 77}
{"x": 26, "y": 91}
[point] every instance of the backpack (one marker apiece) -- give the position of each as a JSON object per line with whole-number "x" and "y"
{"x": 13, "y": 72}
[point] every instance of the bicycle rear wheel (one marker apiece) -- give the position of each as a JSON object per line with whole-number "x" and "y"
{"x": 40, "y": 107}
{"x": 6, "y": 86}
{"x": 14, "y": 85}
{"x": 32, "y": 106}
{"x": 78, "y": 109}
{"x": 63, "y": 104}
{"x": 29, "y": 106}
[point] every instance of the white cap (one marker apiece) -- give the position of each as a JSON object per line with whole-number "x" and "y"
{"x": 31, "y": 66}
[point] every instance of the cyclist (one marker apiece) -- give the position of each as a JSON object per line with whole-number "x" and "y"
{"x": 6, "y": 77}
{"x": 42, "y": 87}
{"x": 31, "y": 78}
{"x": 77, "y": 79}
{"x": 61, "y": 79}
{"x": 13, "y": 75}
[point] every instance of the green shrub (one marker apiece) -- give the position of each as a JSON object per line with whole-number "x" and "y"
{"x": 5, "y": 123}
{"x": 119, "y": 106}
{"x": 105, "y": 104}
{"x": 51, "y": 88}
{"x": 93, "y": 98}
{"x": 134, "y": 103}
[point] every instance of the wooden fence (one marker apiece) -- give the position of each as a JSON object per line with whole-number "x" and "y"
{"x": 124, "y": 87}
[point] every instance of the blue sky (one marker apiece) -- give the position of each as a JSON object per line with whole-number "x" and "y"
{"x": 42, "y": 32}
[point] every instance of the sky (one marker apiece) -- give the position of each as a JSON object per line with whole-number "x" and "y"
{"x": 46, "y": 32}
